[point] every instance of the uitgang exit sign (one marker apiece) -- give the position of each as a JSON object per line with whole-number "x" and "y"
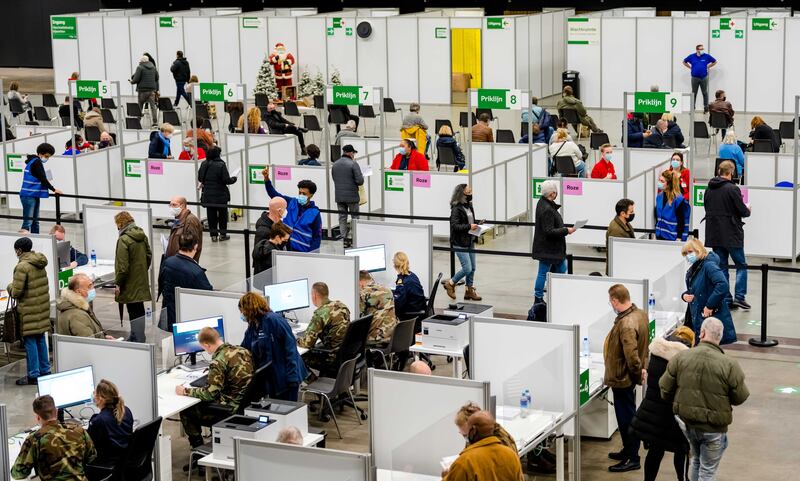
{"x": 502, "y": 99}
{"x": 657, "y": 102}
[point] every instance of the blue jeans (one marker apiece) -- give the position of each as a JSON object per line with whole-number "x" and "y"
{"x": 624, "y": 409}
{"x": 707, "y": 450}
{"x": 180, "y": 89}
{"x": 737, "y": 254}
{"x": 30, "y": 214}
{"x": 36, "y": 352}
{"x": 541, "y": 277}
{"x": 467, "y": 260}
{"x": 581, "y": 168}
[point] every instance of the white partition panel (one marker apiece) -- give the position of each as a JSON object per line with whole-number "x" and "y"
{"x": 522, "y": 44}
{"x": 591, "y": 199}
{"x": 65, "y": 61}
{"x": 284, "y": 461}
{"x": 342, "y": 51}
{"x": 791, "y": 85}
{"x": 535, "y": 55}
{"x": 559, "y": 46}
{"x": 311, "y": 52}
{"x": 137, "y": 150}
{"x": 539, "y": 161}
{"x": 100, "y": 232}
{"x": 91, "y": 47}
{"x": 618, "y": 72}
{"x": 585, "y": 58}
{"x": 434, "y": 57}
{"x": 61, "y": 169}
{"x": 169, "y": 40}
{"x": 94, "y": 176}
{"x": 686, "y": 34}
{"x": 283, "y": 30}
{"x": 225, "y": 49}
{"x": 498, "y": 68}
{"x": 772, "y": 210}
{"x": 168, "y": 178}
{"x": 117, "y": 41}
{"x": 42, "y": 243}
{"x": 197, "y": 46}
{"x": 133, "y": 370}
{"x": 653, "y": 38}
{"x": 397, "y": 200}
{"x": 575, "y": 58}
{"x": 191, "y": 304}
{"x": 402, "y": 39}
{"x": 253, "y": 47}
{"x": 515, "y": 188}
{"x": 642, "y": 160}
{"x": 407, "y": 411}
{"x": 765, "y": 60}
{"x": 729, "y": 73}
{"x": 434, "y": 200}
{"x": 481, "y": 155}
{"x": 288, "y": 187}
{"x": 143, "y": 39}
{"x": 340, "y": 273}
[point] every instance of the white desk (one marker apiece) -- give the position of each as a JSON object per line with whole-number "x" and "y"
{"x": 526, "y": 430}
{"x": 14, "y": 447}
{"x": 390, "y": 475}
{"x": 170, "y": 403}
{"x": 455, "y": 354}
{"x": 210, "y": 461}
{"x": 104, "y": 271}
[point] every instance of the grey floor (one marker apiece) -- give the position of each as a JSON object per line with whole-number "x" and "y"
{"x": 763, "y": 438}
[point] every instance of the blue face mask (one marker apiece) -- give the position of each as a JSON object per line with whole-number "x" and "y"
{"x": 691, "y": 258}
{"x": 91, "y": 295}
{"x": 660, "y": 186}
{"x": 676, "y": 164}
{"x": 302, "y": 199}
{"x": 608, "y": 156}
{"x": 44, "y": 161}
{"x": 244, "y": 319}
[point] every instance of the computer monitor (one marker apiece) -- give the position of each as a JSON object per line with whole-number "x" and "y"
{"x": 184, "y": 334}
{"x": 68, "y": 388}
{"x": 370, "y": 259}
{"x": 287, "y": 296}
{"x": 63, "y": 249}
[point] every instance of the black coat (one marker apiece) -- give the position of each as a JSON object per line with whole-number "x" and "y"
{"x": 180, "y": 70}
{"x": 724, "y": 212}
{"x": 550, "y": 235}
{"x": 765, "y": 132}
{"x": 263, "y": 226}
{"x": 262, "y": 255}
{"x": 275, "y": 122}
{"x": 460, "y": 225}
{"x": 179, "y": 271}
{"x": 215, "y": 179}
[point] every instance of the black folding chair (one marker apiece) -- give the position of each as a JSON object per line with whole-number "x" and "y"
{"x": 261, "y": 100}
{"x": 132, "y": 109}
{"x": 701, "y": 132}
{"x": 290, "y": 109}
{"x": 505, "y": 136}
{"x": 92, "y": 134}
{"x": 108, "y": 104}
{"x": 565, "y": 166}
{"x": 446, "y": 157}
{"x": 571, "y": 116}
{"x": 133, "y": 123}
{"x": 108, "y": 116}
{"x": 311, "y": 123}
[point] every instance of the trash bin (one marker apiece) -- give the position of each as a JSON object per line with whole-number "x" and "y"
{"x": 570, "y": 77}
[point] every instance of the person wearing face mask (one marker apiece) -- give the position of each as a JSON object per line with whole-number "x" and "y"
{"x": 672, "y": 210}
{"x": 707, "y": 290}
{"x": 462, "y": 221}
{"x": 187, "y": 153}
{"x": 106, "y": 141}
{"x": 75, "y": 314}
{"x": 214, "y": 177}
{"x": 636, "y": 130}
{"x": 604, "y": 168}
{"x": 462, "y": 423}
{"x": 549, "y": 238}
{"x": 276, "y": 241}
{"x": 676, "y": 165}
{"x": 269, "y": 338}
{"x": 302, "y": 215}
{"x": 185, "y": 223}
{"x": 35, "y": 187}
{"x": 159, "y": 142}
{"x": 275, "y": 212}
{"x": 486, "y": 456}
{"x": 409, "y": 157}
{"x": 625, "y": 354}
{"x": 722, "y": 106}
{"x": 620, "y": 225}
{"x": 180, "y": 270}
{"x": 700, "y": 63}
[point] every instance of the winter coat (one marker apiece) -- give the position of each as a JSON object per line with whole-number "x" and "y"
{"x": 263, "y": 228}
{"x": 550, "y": 235}
{"x": 482, "y": 133}
{"x": 656, "y": 139}
{"x": 724, "y": 212}
{"x": 159, "y": 147}
{"x": 309, "y": 161}
{"x": 185, "y": 223}
{"x": 733, "y": 152}
{"x": 450, "y": 141}
{"x": 416, "y": 161}
{"x": 571, "y": 102}
{"x": 702, "y": 384}
{"x": 276, "y": 123}
{"x": 131, "y": 265}
{"x": 417, "y": 134}
{"x": 654, "y": 422}
{"x": 145, "y": 77}
{"x": 709, "y": 285}
{"x": 635, "y": 133}
{"x": 765, "y": 132}
{"x": 273, "y": 341}
{"x": 487, "y": 459}
{"x": 672, "y": 220}
{"x": 215, "y": 178}
{"x": 31, "y": 289}
{"x": 674, "y": 130}
{"x": 625, "y": 349}
{"x": 180, "y": 70}
{"x": 262, "y": 255}
{"x": 724, "y": 107}
{"x": 179, "y": 271}
{"x": 347, "y": 177}
{"x": 460, "y": 225}
{"x": 75, "y": 316}
{"x": 94, "y": 119}
{"x": 618, "y": 228}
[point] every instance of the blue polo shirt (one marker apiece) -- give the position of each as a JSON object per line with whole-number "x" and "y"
{"x": 699, "y": 64}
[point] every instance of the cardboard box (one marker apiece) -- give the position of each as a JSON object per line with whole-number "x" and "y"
{"x": 460, "y": 81}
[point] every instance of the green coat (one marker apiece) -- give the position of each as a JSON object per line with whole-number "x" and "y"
{"x": 31, "y": 289}
{"x": 131, "y": 266}
{"x": 702, "y": 384}
{"x": 75, "y": 316}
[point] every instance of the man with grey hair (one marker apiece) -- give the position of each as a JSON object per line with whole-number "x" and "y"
{"x": 185, "y": 223}
{"x": 146, "y": 80}
{"x": 656, "y": 138}
{"x": 549, "y": 238}
{"x": 703, "y": 383}
{"x": 290, "y": 435}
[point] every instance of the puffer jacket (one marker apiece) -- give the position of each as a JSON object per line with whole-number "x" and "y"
{"x": 75, "y": 316}
{"x": 550, "y": 236}
{"x": 709, "y": 285}
{"x": 214, "y": 176}
{"x": 702, "y": 384}
{"x": 625, "y": 349}
{"x": 31, "y": 289}
{"x": 145, "y": 77}
{"x": 654, "y": 422}
{"x": 132, "y": 264}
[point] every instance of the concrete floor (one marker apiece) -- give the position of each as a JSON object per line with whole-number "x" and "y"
{"x": 763, "y": 438}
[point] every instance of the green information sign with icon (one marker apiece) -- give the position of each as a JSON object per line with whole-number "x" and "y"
{"x": 348, "y": 31}
{"x": 657, "y": 102}
{"x": 536, "y": 190}
{"x": 497, "y": 23}
{"x": 699, "y": 195}
{"x": 337, "y": 22}
{"x": 330, "y": 31}
{"x": 584, "y": 388}
{"x": 739, "y": 33}
{"x": 167, "y": 22}
{"x": 440, "y": 32}
{"x": 394, "y": 181}
{"x": 254, "y": 174}
{"x": 63, "y": 28}
{"x": 14, "y": 163}
{"x": 501, "y": 99}
{"x": 724, "y": 23}
{"x": 134, "y": 168}
{"x": 764, "y": 24}
{"x": 715, "y": 34}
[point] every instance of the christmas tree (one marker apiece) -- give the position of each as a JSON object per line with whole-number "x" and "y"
{"x": 265, "y": 82}
{"x": 318, "y": 88}
{"x": 336, "y": 77}
{"x": 305, "y": 88}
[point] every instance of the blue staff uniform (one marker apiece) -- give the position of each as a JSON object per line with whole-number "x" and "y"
{"x": 305, "y": 221}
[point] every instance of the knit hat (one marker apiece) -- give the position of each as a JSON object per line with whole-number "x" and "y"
{"x": 23, "y": 244}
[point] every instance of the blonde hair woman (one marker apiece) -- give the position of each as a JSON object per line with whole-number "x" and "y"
{"x": 563, "y": 147}
{"x": 471, "y": 408}
{"x": 409, "y": 297}
{"x": 447, "y": 141}
{"x": 112, "y": 427}
{"x": 672, "y": 209}
{"x": 253, "y": 122}
{"x": 729, "y": 149}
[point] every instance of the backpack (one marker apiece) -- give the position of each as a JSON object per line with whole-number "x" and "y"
{"x": 545, "y": 120}
{"x": 538, "y": 312}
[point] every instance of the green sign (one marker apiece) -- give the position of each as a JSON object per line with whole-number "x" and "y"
{"x": 698, "y": 199}
{"x": 724, "y": 23}
{"x": 348, "y": 31}
{"x": 216, "y": 92}
{"x": 167, "y": 22}
{"x": 134, "y": 168}
{"x": 536, "y": 190}
{"x": 91, "y": 89}
{"x": 440, "y": 32}
{"x": 652, "y": 326}
{"x": 63, "y": 28}
{"x": 584, "y": 386}
{"x": 254, "y": 174}
{"x": 583, "y": 31}
{"x": 497, "y": 23}
{"x": 657, "y": 102}
{"x": 63, "y": 278}
{"x": 351, "y": 95}
{"x": 739, "y": 33}
{"x": 501, "y": 99}
{"x": 337, "y": 22}
{"x": 251, "y": 22}
{"x": 394, "y": 181}
{"x": 715, "y": 34}
{"x": 330, "y": 31}
{"x": 787, "y": 390}
{"x": 14, "y": 163}
{"x": 764, "y": 24}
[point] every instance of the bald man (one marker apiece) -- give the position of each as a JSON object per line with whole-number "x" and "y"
{"x": 185, "y": 222}
{"x": 420, "y": 367}
{"x": 277, "y": 209}
{"x": 485, "y": 457}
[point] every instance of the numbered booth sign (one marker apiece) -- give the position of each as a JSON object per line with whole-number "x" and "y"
{"x": 217, "y": 92}
{"x": 657, "y": 102}
{"x": 91, "y": 89}
{"x": 499, "y": 99}
{"x": 350, "y": 95}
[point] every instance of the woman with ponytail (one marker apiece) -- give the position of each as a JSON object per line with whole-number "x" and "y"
{"x": 112, "y": 427}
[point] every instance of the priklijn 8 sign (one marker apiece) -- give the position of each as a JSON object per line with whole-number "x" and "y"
{"x": 657, "y": 102}
{"x": 499, "y": 99}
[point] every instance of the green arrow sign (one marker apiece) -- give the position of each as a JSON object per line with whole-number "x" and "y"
{"x": 698, "y": 199}
{"x": 715, "y": 34}
{"x": 657, "y": 102}
{"x": 330, "y": 31}
{"x": 348, "y": 31}
{"x": 584, "y": 388}
{"x": 739, "y": 33}
{"x": 337, "y": 22}
{"x": 254, "y": 174}
{"x": 787, "y": 390}
{"x": 14, "y": 163}
{"x": 167, "y": 22}
{"x": 764, "y": 24}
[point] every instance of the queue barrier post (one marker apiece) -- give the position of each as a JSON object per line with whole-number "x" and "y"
{"x": 58, "y": 209}
{"x": 570, "y": 260}
{"x": 763, "y": 341}
{"x": 247, "y": 254}
{"x": 452, "y": 262}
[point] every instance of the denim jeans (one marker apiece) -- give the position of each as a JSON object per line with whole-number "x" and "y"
{"x": 180, "y": 89}
{"x": 30, "y": 214}
{"x": 737, "y": 254}
{"x": 703, "y": 84}
{"x": 707, "y": 450}
{"x": 625, "y": 408}
{"x": 467, "y": 260}
{"x": 541, "y": 277}
{"x": 581, "y": 168}
{"x": 36, "y": 352}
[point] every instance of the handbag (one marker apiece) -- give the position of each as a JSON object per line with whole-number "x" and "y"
{"x": 362, "y": 195}
{"x": 11, "y": 322}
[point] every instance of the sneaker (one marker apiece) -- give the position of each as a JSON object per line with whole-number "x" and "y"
{"x": 733, "y": 306}
{"x": 214, "y": 238}
{"x": 741, "y": 303}
{"x": 617, "y": 456}
{"x": 23, "y": 231}
{"x": 223, "y": 238}
{"x": 26, "y": 381}
{"x": 623, "y": 466}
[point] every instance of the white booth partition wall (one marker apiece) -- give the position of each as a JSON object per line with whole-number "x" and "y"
{"x": 333, "y": 270}
{"x": 768, "y": 169}
{"x": 5, "y": 456}
{"x": 43, "y": 244}
{"x": 192, "y": 304}
{"x": 408, "y": 412}
{"x": 283, "y": 461}
{"x": 592, "y": 200}
{"x": 100, "y": 232}
{"x": 269, "y": 151}
{"x": 158, "y": 180}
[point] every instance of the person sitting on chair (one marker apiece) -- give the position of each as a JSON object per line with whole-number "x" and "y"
{"x": 328, "y": 325}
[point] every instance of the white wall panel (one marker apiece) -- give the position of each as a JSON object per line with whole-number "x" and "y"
{"x": 792, "y": 82}
{"x": 586, "y": 59}
{"x": 169, "y": 40}
{"x": 283, "y": 30}
{"x": 197, "y": 35}
{"x": 618, "y": 73}
{"x": 729, "y": 73}
{"x": 116, "y": 36}
{"x": 65, "y": 61}
{"x": 91, "y": 48}
{"x": 559, "y": 47}
{"x": 653, "y": 38}
{"x": 765, "y": 68}
{"x": 342, "y": 51}
{"x": 465, "y": 22}
{"x": 498, "y": 52}
{"x": 253, "y": 48}
{"x": 434, "y": 57}
{"x": 372, "y": 61}
{"x": 537, "y": 68}
{"x": 522, "y": 42}
{"x": 311, "y": 51}
{"x": 143, "y": 39}
{"x": 402, "y": 44}
{"x": 225, "y": 49}
{"x": 686, "y": 33}
{"x": 548, "y": 83}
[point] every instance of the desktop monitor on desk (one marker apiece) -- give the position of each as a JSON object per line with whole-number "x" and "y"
{"x": 184, "y": 335}
{"x": 69, "y": 388}
{"x": 287, "y": 296}
{"x": 63, "y": 250}
{"x": 370, "y": 259}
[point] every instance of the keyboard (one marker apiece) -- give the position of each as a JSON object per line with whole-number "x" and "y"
{"x": 200, "y": 382}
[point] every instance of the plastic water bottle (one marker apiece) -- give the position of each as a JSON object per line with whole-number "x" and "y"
{"x": 523, "y": 405}
{"x": 93, "y": 258}
{"x": 148, "y": 315}
{"x": 586, "y": 353}
{"x": 651, "y": 307}
{"x": 530, "y": 399}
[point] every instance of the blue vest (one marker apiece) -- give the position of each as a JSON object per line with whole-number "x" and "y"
{"x": 302, "y": 238}
{"x": 31, "y": 187}
{"x": 667, "y": 218}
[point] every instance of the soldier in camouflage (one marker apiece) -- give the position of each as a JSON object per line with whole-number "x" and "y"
{"x": 57, "y": 451}
{"x": 378, "y": 301}
{"x": 229, "y": 375}
{"x": 328, "y": 324}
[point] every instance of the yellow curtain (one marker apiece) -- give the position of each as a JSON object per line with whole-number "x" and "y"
{"x": 466, "y": 52}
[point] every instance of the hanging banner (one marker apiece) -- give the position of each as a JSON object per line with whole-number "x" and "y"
{"x": 583, "y": 31}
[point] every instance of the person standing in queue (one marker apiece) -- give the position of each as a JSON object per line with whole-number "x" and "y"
{"x": 180, "y": 270}
{"x": 549, "y": 239}
{"x": 462, "y": 223}
{"x": 215, "y": 179}
{"x": 185, "y": 223}
{"x": 131, "y": 272}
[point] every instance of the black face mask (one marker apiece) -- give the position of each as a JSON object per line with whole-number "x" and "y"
{"x": 630, "y": 218}
{"x": 469, "y": 198}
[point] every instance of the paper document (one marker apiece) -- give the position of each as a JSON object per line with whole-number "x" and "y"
{"x": 366, "y": 170}
{"x": 49, "y": 174}
{"x": 236, "y": 172}
{"x": 447, "y": 461}
{"x": 164, "y": 243}
{"x": 580, "y": 223}
{"x": 480, "y": 229}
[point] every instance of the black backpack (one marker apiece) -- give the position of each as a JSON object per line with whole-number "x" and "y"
{"x": 538, "y": 312}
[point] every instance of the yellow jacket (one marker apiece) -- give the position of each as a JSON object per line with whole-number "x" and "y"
{"x": 417, "y": 134}
{"x": 486, "y": 460}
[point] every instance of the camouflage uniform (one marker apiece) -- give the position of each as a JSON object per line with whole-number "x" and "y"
{"x": 229, "y": 375}
{"x": 57, "y": 451}
{"x": 379, "y": 301}
{"x": 328, "y": 324}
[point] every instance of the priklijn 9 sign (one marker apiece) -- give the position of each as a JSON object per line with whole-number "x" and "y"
{"x": 657, "y": 102}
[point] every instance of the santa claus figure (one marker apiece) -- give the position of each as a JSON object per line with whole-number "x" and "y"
{"x": 282, "y": 62}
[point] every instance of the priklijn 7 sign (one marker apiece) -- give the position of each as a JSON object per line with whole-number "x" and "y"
{"x": 351, "y": 95}
{"x": 657, "y": 102}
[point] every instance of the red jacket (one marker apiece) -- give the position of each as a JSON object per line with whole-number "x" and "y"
{"x": 417, "y": 161}
{"x": 602, "y": 168}
{"x": 685, "y": 178}
{"x": 201, "y": 154}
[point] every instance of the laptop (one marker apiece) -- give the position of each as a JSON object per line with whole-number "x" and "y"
{"x": 63, "y": 250}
